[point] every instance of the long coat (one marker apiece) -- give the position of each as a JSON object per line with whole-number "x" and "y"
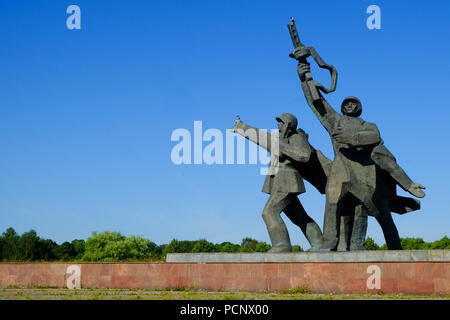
{"x": 287, "y": 178}
{"x": 290, "y": 152}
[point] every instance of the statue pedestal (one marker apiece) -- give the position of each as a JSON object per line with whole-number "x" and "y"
{"x": 409, "y": 272}
{"x": 348, "y": 256}
{"x": 405, "y": 271}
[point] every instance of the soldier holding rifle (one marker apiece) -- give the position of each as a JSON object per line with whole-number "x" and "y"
{"x": 359, "y": 155}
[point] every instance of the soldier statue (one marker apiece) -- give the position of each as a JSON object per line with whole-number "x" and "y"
{"x": 289, "y": 149}
{"x": 360, "y": 181}
{"x": 363, "y": 172}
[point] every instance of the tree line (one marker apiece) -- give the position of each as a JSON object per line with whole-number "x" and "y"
{"x": 111, "y": 246}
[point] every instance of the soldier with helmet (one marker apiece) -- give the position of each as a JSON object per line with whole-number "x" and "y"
{"x": 284, "y": 182}
{"x": 354, "y": 174}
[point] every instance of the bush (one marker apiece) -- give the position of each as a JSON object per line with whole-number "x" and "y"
{"x": 78, "y": 246}
{"x": 297, "y": 248}
{"x": 203, "y": 246}
{"x": 113, "y": 246}
{"x": 371, "y": 245}
{"x": 413, "y": 243}
{"x": 64, "y": 252}
{"x": 227, "y": 247}
{"x": 248, "y": 244}
{"x": 176, "y": 246}
{"x": 47, "y": 246}
{"x": 262, "y": 247}
{"x": 444, "y": 243}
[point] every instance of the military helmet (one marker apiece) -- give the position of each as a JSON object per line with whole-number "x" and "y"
{"x": 358, "y": 110}
{"x": 289, "y": 119}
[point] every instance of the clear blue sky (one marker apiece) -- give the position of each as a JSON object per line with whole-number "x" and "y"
{"x": 86, "y": 115}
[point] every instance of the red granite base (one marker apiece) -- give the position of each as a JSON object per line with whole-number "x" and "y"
{"x": 320, "y": 277}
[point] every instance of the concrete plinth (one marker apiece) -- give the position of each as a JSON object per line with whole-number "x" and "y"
{"x": 409, "y": 272}
{"x": 349, "y": 256}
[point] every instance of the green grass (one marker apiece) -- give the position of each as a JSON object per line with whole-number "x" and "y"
{"x": 298, "y": 293}
{"x": 296, "y": 290}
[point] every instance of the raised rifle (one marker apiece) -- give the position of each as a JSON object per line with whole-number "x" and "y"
{"x": 301, "y": 52}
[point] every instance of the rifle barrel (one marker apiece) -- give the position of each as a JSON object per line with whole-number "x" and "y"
{"x": 294, "y": 34}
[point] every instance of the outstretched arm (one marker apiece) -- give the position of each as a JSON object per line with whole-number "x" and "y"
{"x": 297, "y": 148}
{"x": 323, "y": 111}
{"x": 258, "y": 136}
{"x": 386, "y": 161}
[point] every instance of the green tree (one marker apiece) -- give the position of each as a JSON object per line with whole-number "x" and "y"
{"x": 176, "y": 246}
{"x": 64, "y": 252}
{"x": 78, "y": 246}
{"x": 248, "y": 244}
{"x": 413, "y": 243}
{"x": 370, "y": 244}
{"x": 1, "y": 248}
{"x": 203, "y": 246}
{"x": 10, "y": 246}
{"x": 29, "y": 246}
{"x": 46, "y": 247}
{"x": 297, "y": 248}
{"x": 159, "y": 250}
{"x": 444, "y": 243}
{"x": 113, "y": 246}
{"x": 262, "y": 247}
{"x": 227, "y": 247}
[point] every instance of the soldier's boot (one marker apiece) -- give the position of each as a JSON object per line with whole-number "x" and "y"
{"x": 332, "y": 219}
{"x": 346, "y": 233}
{"x": 330, "y": 240}
{"x": 359, "y": 231}
{"x": 314, "y": 236}
{"x": 280, "y": 239}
